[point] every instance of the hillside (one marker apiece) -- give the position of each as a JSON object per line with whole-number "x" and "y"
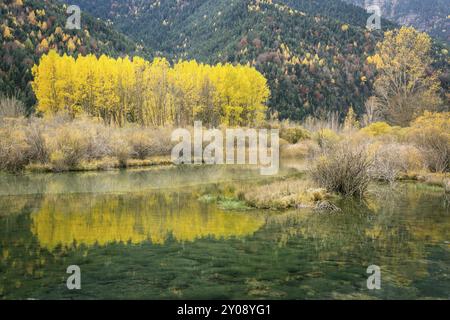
{"x": 314, "y": 56}
{"x": 313, "y": 52}
{"x": 30, "y": 28}
{"x": 431, "y": 16}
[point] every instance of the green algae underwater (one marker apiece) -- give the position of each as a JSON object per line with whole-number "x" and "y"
{"x": 144, "y": 234}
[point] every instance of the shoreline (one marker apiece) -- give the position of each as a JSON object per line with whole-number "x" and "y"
{"x": 101, "y": 165}
{"x": 440, "y": 180}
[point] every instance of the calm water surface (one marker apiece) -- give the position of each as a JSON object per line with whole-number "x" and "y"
{"x": 144, "y": 234}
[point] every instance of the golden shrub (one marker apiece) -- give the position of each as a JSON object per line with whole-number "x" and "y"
{"x": 377, "y": 129}
{"x": 431, "y": 134}
{"x": 13, "y": 149}
{"x": 326, "y": 138}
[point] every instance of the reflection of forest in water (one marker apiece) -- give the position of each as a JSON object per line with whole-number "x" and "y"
{"x": 404, "y": 230}
{"x": 134, "y": 219}
{"x": 390, "y": 228}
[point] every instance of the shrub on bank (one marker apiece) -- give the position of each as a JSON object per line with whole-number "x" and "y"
{"x": 294, "y": 135}
{"x": 431, "y": 134}
{"x": 326, "y": 138}
{"x": 141, "y": 144}
{"x": 61, "y": 143}
{"x": 38, "y": 150}
{"x": 344, "y": 169}
{"x": 377, "y": 129}
{"x": 13, "y": 149}
{"x": 146, "y": 143}
{"x": 69, "y": 147}
{"x": 390, "y": 161}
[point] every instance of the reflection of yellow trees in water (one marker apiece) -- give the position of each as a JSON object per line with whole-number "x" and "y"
{"x": 134, "y": 219}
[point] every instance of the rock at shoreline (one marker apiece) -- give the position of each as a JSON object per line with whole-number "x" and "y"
{"x": 326, "y": 206}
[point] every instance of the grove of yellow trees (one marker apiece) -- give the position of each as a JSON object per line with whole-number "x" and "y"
{"x": 150, "y": 93}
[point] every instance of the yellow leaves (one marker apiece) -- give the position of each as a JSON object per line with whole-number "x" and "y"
{"x": 150, "y": 93}
{"x": 377, "y": 129}
{"x": 440, "y": 121}
{"x": 376, "y": 60}
{"x": 431, "y": 133}
{"x": 32, "y": 17}
{"x": 43, "y": 26}
{"x": 345, "y": 27}
{"x": 7, "y": 34}
{"x": 43, "y": 46}
{"x": 406, "y": 48}
{"x": 350, "y": 122}
{"x": 71, "y": 45}
{"x": 52, "y": 82}
{"x": 406, "y": 83}
{"x": 40, "y": 13}
{"x": 105, "y": 220}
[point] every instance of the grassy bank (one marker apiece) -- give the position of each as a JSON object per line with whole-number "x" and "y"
{"x": 61, "y": 144}
{"x": 343, "y": 158}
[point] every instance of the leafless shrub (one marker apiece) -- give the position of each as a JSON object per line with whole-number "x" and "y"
{"x": 141, "y": 143}
{"x": 121, "y": 150}
{"x": 63, "y": 143}
{"x": 68, "y": 148}
{"x": 391, "y": 160}
{"x": 37, "y": 146}
{"x": 99, "y": 144}
{"x": 13, "y": 149}
{"x": 435, "y": 147}
{"x": 330, "y": 122}
{"x": 11, "y": 107}
{"x": 343, "y": 169}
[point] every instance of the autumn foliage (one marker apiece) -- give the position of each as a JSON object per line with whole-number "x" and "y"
{"x": 150, "y": 93}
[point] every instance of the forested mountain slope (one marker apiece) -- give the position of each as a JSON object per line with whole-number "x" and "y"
{"x": 30, "y": 28}
{"x": 315, "y": 63}
{"x": 313, "y": 52}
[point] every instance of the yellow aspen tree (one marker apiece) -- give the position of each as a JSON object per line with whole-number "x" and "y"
{"x": 159, "y": 110}
{"x": 186, "y": 78}
{"x": 65, "y": 85}
{"x": 139, "y": 89}
{"x": 86, "y": 84}
{"x": 44, "y": 83}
